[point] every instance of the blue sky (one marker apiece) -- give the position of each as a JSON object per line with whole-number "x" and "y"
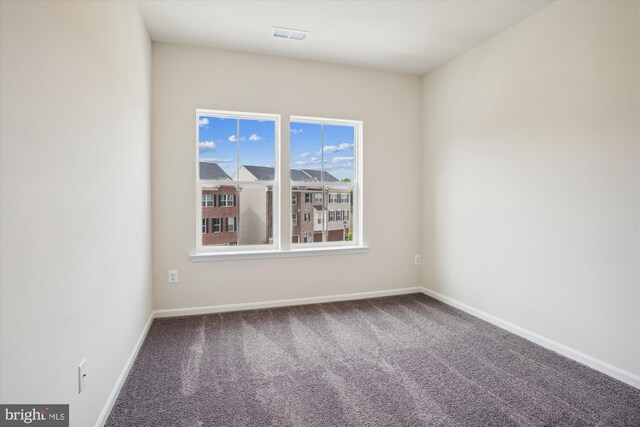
{"x": 307, "y": 150}
{"x": 218, "y": 143}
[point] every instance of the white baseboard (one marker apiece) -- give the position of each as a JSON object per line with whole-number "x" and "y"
{"x": 123, "y": 375}
{"x": 592, "y": 362}
{"x": 605, "y": 368}
{"x": 190, "y": 311}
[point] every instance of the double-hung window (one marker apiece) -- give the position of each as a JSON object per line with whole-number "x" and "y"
{"x": 207, "y": 200}
{"x": 237, "y": 165}
{"x": 227, "y": 200}
{"x": 325, "y": 161}
{"x": 231, "y": 224}
{"x": 238, "y": 183}
{"x": 216, "y": 225}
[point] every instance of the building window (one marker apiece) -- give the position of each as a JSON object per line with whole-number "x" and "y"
{"x": 326, "y": 162}
{"x": 294, "y": 199}
{"x": 294, "y": 219}
{"x": 227, "y": 201}
{"x": 205, "y": 225}
{"x": 307, "y": 217}
{"x": 207, "y": 200}
{"x": 235, "y": 175}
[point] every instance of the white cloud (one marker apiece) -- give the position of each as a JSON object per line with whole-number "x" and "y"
{"x": 341, "y": 159}
{"x": 207, "y": 145}
{"x": 234, "y": 138}
{"x": 203, "y": 121}
{"x": 314, "y": 160}
{"x": 296, "y": 131}
{"x": 337, "y": 148}
{"x": 300, "y": 163}
{"x": 255, "y": 137}
{"x": 216, "y": 160}
{"x": 305, "y": 154}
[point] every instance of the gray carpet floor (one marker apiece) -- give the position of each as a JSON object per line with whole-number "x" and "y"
{"x": 398, "y": 361}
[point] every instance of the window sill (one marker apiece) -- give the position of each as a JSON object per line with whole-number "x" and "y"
{"x": 293, "y": 253}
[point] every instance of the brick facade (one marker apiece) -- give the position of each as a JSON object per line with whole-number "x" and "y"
{"x": 223, "y": 237}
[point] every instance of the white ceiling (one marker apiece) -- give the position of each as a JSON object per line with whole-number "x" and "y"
{"x": 405, "y": 36}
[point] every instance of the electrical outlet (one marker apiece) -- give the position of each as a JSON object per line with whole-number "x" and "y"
{"x": 173, "y": 276}
{"x": 417, "y": 259}
{"x": 82, "y": 375}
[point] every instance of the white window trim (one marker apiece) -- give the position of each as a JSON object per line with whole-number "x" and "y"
{"x": 287, "y": 249}
{"x": 309, "y": 250}
{"x": 214, "y": 250}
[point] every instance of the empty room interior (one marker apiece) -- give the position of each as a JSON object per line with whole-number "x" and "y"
{"x": 320, "y": 213}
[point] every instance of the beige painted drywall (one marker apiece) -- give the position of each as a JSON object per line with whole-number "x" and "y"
{"x": 75, "y": 199}
{"x": 530, "y": 178}
{"x": 186, "y": 78}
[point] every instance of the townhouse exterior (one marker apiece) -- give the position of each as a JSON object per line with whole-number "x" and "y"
{"x": 219, "y": 208}
{"x": 312, "y": 205}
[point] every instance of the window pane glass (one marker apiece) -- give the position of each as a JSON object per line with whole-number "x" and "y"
{"x": 243, "y": 217}
{"x": 257, "y": 150}
{"x": 306, "y": 150}
{"x": 330, "y": 220}
{"x": 254, "y": 222}
{"x": 217, "y": 147}
{"x": 218, "y": 236}
{"x": 338, "y": 153}
{"x": 339, "y": 224}
{"x": 324, "y": 214}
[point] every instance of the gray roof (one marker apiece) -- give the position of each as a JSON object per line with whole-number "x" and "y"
{"x": 212, "y": 171}
{"x": 263, "y": 173}
{"x": 298, "y": 175}
{"x": 316, "y": 174}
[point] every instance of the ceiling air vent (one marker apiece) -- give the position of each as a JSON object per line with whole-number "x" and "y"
{"x": 288, "y": 33}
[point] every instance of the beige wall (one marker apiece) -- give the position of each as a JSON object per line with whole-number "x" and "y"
{"x": 186, "y": 78}
{"x": 531, "y": 186}
{"x": 75, "y": 205}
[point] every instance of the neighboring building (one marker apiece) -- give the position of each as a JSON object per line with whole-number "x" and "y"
{"x": 256, "y": 209}
{"x": 311, "y": 206}
{"x": 219, "y": 208}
